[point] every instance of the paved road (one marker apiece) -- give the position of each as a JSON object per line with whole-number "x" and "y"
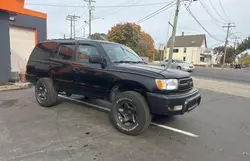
{"x": 74, "y": 131}
{"x": 239, "y": 75}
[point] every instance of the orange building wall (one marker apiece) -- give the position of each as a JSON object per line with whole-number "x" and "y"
{"x": 17, "y": 6}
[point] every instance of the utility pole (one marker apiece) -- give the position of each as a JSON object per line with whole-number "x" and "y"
{"x": 229, "y": 25}
{"x": 91, "y": 7}
{"x": 72, "y": 19}
{"x": 173, "y": 33}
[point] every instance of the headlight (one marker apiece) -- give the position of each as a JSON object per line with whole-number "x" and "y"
{"x": 167, "y": 84}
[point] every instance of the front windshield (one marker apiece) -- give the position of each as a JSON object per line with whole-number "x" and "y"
{"x": 121, "y": 53}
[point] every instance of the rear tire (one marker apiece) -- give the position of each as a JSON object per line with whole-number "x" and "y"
{"x": 45, "y": 92}
{"x": 137, "y": 104}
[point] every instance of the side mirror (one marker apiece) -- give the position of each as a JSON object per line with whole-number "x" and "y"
{"x": 95, "y": 59}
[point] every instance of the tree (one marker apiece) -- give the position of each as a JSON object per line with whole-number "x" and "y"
{"x": 245, "y": 59}
{"x": 125, "y": 33}
{"x": 97, "y": 36}
{"x": 130, "y": 34}
{"x": 145, "y": 45}
{"x": 231, "y": 52}
{"x": 243, "y": 46}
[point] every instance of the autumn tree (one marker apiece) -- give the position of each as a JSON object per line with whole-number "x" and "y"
{"x": 97, "y": 36}
{"x": 130, "y": 34}
{"x": 145, "y": 45}
{"x": 245, "y": 59}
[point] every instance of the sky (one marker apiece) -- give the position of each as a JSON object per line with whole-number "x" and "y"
{"x": 105, "y": 17}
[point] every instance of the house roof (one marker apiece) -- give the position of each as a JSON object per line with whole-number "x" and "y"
{"x": 188, "y": 41}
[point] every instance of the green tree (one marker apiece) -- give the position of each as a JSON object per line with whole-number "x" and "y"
{"x": 243, "y": 46}
{"x": 231, "y": 52}
{"x": 97, "y": 36}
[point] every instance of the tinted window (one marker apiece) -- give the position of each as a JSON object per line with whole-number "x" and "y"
{"x": 64, "y": 52}
{"x": 84, "y": 51}
{"x": 43, "y": 51}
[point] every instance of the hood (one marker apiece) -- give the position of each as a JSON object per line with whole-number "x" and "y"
{"x": 150, "y": 70}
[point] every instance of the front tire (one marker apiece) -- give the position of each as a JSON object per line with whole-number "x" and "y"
{"x": 179, "y": 68}
{"x": 130, "y": 113}
{"x": 45, "y": 92}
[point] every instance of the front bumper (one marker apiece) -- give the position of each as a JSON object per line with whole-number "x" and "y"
{"x": 188, "y": 69}
{"x": 163, "y": 104}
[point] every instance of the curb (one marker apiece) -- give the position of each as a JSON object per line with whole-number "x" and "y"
{"x": 17, "y": 86}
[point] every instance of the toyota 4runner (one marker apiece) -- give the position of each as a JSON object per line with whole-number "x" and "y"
{"x": 112, "y": 72}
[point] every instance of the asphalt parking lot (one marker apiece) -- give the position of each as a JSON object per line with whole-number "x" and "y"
{"x": 73, "y": 130}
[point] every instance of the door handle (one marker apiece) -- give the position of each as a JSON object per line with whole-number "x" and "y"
{"x": 76, "y": 69}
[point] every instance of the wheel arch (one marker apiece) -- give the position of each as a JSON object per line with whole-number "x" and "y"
{"x": 127, "y": 85}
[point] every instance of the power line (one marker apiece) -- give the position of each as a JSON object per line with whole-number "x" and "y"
{"x": 223, "y": 10}
{"x": 164, "y": 8}
{"x": 216, "y": 10}
{"x": 76, "y": 7}
{"x": 210, "y": 14}
{"x": 189, "y": 11}
{"x": 127, "y": 3}
{"x": 115, "y": 6}
{"x": 122, "y": 5}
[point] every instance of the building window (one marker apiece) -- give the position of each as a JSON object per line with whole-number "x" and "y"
{"x": 176, "y": 50}
{"x": 202, "y": 59}
{"x": 185, "y": 50}
{"x": 184, "y": 58}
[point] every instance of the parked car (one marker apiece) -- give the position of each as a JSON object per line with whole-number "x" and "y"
{"x": 112, "y": 72}
{"x": 179, "y": 64}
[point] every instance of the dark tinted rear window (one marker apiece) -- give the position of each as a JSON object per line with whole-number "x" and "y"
{"x": 43, "y": 51}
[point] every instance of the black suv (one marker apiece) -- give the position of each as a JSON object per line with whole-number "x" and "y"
{"x": 112, "y": 72}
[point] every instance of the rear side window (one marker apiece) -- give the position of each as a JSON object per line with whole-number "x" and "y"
{"x": 43, "y": 51}
{"x": 64, "y": 52}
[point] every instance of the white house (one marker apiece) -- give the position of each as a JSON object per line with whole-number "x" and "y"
{"x": 189, "y": 48}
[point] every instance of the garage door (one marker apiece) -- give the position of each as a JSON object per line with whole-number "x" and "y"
{"x": 22, "y": 42}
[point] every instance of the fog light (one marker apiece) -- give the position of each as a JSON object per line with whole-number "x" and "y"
{"x": 178, "y": 108}
{"x": 175, "y": 108}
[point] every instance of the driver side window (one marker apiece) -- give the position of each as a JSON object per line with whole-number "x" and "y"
{"x": 84, "y": 51}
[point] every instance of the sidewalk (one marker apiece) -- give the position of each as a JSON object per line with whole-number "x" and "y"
{"x": 236, "y": 89}
{"x": 15, "y": 86}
